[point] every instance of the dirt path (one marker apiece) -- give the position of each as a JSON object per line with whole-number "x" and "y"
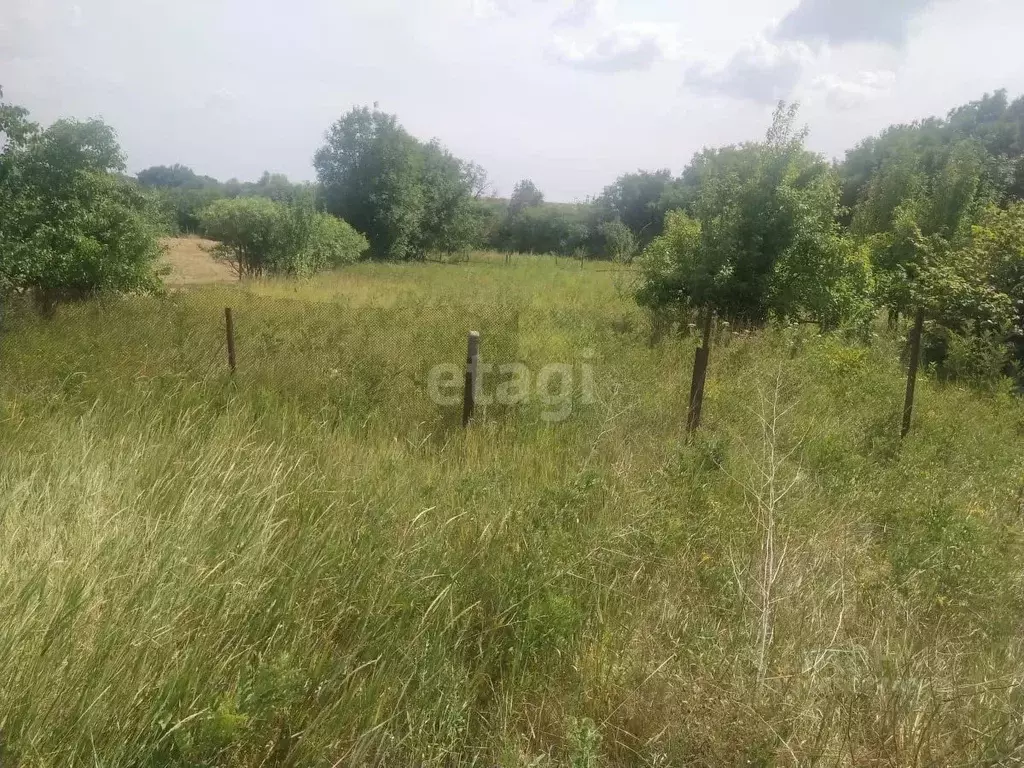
{"x": 192, "y": 264}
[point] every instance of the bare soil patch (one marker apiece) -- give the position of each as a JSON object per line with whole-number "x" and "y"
{"x": 192, "y": 262}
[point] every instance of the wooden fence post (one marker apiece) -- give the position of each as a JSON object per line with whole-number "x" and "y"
{"x": 700, "y": 373}
{"x": 472, "y": 372}
{"x": 915, "y": 363}
{"x": 230, "y": 326}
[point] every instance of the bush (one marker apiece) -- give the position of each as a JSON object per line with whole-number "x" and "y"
{"x": 71, "y": 227}
{"x": 261, "y": 237}
{"x": 620, "y": 244}
{"x": 333, "y": 243}
{"x": 976, "y": 359}
{"x": 560, "y": 228}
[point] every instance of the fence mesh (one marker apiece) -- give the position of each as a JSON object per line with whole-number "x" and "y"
{"x": 345, "y": 356}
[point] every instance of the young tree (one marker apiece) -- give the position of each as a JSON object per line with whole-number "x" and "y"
{"x": 763, "y": 240}
{"x": 617, "y": 241}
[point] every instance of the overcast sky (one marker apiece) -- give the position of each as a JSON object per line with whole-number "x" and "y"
{"x": 570, "y": 93}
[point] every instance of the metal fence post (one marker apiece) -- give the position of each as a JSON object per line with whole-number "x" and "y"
{"x": 230, "y": 327}
{"x": 472, "y": 372}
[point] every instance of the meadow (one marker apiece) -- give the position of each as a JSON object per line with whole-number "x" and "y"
{"x": 312, "y": 563}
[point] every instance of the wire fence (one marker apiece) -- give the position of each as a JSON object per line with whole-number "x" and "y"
{"x": 397, "y": 358}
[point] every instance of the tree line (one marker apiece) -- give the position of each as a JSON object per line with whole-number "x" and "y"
{"x": 924, "y": 220}
{"x": 925, "y": 217}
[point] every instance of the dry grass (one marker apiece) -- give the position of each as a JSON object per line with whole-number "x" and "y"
{"x": 191, "y": 262}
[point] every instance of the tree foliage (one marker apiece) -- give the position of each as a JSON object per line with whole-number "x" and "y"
{"x": 72, "y": 225}
{"x": 920, "y": 191}
{"x": 525, "y": 195}
{"x": 409, "y": 198}
{"x": 182, "y": 194}
{"x": 261, "y": 237}
{"x": 994, "y": 123}
{"x": 974, "y": 295}
{"x": 763, "y": 239}
{"x": 638, "y": 200}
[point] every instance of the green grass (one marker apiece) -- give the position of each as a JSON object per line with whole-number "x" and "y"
{"x": 312, "y": 564}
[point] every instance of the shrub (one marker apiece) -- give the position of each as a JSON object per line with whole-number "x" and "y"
{"x": 620, "y": 244}
{"x": 71, "y": 227}
{"x": 333, "y": 242}
{"x": 980, "y": 359}
{"x": 261, "y": 237}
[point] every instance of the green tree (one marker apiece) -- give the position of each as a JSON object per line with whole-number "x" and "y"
{"x": 559, "y": 228}
{"x": 763, "y": 240}
{"x": 915, "y": 222}
{"x": 181, "y": 194}
{"x": 408, "y": 197}
{"x": 449, "y": 188}
{"x": 638, "y": 200}
{"x": 524, "y": 195}
{"x": 993, "y": 122}
{"x": 619, "y": 243}
{"x": 72, "y": 225}
{"x": 369, "y": 170}
{"x": 974, "y": 297}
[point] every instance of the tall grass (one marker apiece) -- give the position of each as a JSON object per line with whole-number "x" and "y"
{"x": 311, "y": 564}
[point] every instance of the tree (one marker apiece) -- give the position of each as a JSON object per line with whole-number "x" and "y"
{"x": 560, "y": 228}
{"x": 181, "y": 194}
{"x": 369, "y": 172}
{"x": 998, "y": 244}
{"x": 72, "y": 225}
{"x": 993, "y": 122}
{"x": 172, "y": 177}
{"x": 619, "y": 242}
{"x": 763, "y": 240}
{"x": 449, "y": 189}
{"x": 524, "y": 195}
{"x": 973, "y": 294}
{"x": 913, "y": 221}
{"x": 637, "y": 200}
{"x": 408, "y": 197}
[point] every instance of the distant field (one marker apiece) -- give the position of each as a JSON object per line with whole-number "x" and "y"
{"x": 192, "y": 264}
{"x": 311, "y": 563}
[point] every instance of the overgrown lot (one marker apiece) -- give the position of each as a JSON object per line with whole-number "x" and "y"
{"x": 312, "y": 564}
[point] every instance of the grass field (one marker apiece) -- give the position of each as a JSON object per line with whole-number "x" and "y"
{"x": 312, "y": 564}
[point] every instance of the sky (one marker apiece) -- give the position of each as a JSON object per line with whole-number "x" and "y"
{"x": 568, "y": 93}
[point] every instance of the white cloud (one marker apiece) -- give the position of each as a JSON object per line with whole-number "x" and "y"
{"x": 850, "y": 93}
{"x": 761, "y": 71}
{"x": 586, "y": 35}
{"x": 838, "y": 22}
{"x": 488, "y": 9}
{"x": 585, "y": 12}
{"x": 624, "y": 48}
